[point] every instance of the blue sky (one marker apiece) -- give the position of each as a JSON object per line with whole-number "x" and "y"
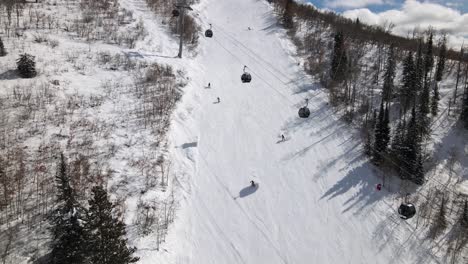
{"x": 448, "y": 16}
{"x": 383, "y": 5}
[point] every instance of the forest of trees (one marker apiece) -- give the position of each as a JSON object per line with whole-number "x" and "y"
{"x": 91, "y": 234}
{"x": 42, "y": 116}
{"x": 388, "y": 86}
{"x": 415, "y": 97}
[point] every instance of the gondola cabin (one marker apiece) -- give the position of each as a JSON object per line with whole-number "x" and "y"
{"x": 304, "y": 112}
{"x": 246, "y": 77}
{"x": 406, "y": 210}
{"x": 209, "y": 33}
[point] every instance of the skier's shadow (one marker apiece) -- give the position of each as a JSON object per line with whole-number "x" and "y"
{"x": 247, "y": 191}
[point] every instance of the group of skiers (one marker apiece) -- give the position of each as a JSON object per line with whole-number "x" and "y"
{"x": 252, "y": 183}
{"x": 217, "y": 98}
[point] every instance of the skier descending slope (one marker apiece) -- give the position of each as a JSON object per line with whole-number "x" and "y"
{"x": 315, "y": 204}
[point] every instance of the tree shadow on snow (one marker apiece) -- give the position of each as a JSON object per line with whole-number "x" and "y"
{"x": 9, "y": 75}
{"x": 248, "y": 191}
{"x": 359, "y": 178}
{"x": 189, "y": 145}
{"x": 135, "y": 54}
{"x": 46, "y": 259}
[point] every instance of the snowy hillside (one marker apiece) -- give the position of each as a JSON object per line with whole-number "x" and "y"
{"x": 177, "y": 142}
{"x": 316, "y": 198}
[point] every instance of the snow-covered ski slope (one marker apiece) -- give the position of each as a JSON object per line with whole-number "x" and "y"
{"x": 316, "y": 201}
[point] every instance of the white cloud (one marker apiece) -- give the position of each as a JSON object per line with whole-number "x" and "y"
{"x": 422, "y": 15}
{"x": 352, "y": 3}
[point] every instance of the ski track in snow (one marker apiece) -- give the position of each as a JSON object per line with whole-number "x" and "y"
{"x": 316, "y": 202}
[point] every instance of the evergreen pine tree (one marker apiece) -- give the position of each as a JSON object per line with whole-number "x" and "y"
{"x": 424, "y": 100}
{"x": 398, "y": 143}
{"x": 411, "y": 166}
{"x": 339, "y": 61}
{"x": 440, "y": 223}
{"x": 424, "y": 103}
{"x": 464, "y": 216}
{"x": 26, "y": 66}
{"x": 288, "y": 14}
{"x": 382, "y": 135}
{"x": 428, "y": 58}
{"x": 435, "y": 100}
{"x": 368, "y": 145}
{"x": 464, "y": 114}
{"x": 419, "y": 69}
{"x": 408, "y": 91}
{"x": 389, "y": 75}
{"x": 68, "y": 245}
{"x": 424, "y": 110}
{"x": 386, "y": 128}
{"x": 418, "y": 175}
{"x": 108, "y": 244}
{"x": 441, "y": 60}
{"x": 2, "y": 48}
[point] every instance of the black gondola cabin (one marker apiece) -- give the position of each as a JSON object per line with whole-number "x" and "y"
{"x": 407, "y": 210}
{"x": 246, "y": 77}
{"x": 304, "y": 112}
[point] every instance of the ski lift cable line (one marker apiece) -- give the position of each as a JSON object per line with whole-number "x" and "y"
{"x": 223, "y": 31}
{"x": 268, "y": 84}
{"x": 262, "y": 79}
{"x": 258, "y": 75}
{"x": 291, "y": 80}
{"x": 218, "y": 179}
{"x": 258, "y": 57}
{"x": 258, "y": 61}
{"x": 418, "y": 192}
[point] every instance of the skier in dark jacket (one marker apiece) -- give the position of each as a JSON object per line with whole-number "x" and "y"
{"x": 252, "y": 183}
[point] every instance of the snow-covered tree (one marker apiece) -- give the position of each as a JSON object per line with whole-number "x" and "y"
{"x": 442, "y": 58}
{"x": 408, "y": 89}
{"x": 463, "y": 219}
{"x": 435, "y": 99}
{"x": 26, "y": 66}
{"x": 464, "y": 114}
{"x": 411, "y": 166}
{"x": 106, "y": 233}
{"x": 398, "y": 143}
{"x": 428, "y": 58}
{"x": 382, "y": 134}
{"x": 2, "y": 48}
{"x": 68, "y": 244}
{"x": 389, "y": 75}
{"x": 440, "y": 222}
{"x": 288, "y": 14}
{"x": 419, "y": 68}
{"x": 339, "y": 63}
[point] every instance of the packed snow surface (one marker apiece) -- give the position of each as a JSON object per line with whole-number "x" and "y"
{"x": 316, "y": 200}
